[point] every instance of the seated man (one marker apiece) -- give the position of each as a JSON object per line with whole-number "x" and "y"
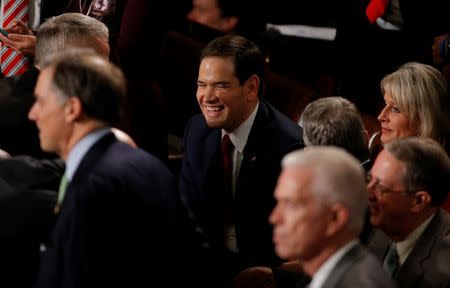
{"x": 319, "y": 214}
{"x": 408, "y": 183}
{"x": 335, "y": 121}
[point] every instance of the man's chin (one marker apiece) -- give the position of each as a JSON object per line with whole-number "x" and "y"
{"x": 214, "y": 124}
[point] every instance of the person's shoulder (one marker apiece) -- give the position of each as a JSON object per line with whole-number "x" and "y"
{"x": 280, "y": 127}
{"x": 281, "y": 121}
{"x": 365, "y": 271}
{"x": 197, "y": 123}
{"x": 121, "y": 158}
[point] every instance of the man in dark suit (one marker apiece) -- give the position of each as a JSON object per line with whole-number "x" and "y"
{"x": 116, "y": 217}
{"x": 231, "y": 214}
{"x": 409, "y": 181}
{"x": 319, "y": 214}
{"x": 25, "y": 215}
{"x": 16, "y": 93}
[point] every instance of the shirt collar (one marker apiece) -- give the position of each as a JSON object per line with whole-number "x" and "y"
{"x": 404, "y": 247}
{"x": 321, "y": 275}
{"x": 240, "y": 135}
{"x": 80, "y": 149}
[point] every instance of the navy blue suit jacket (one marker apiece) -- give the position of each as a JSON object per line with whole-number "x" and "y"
{"x": 271, "y": 137}
{"x": 116, "y": 221}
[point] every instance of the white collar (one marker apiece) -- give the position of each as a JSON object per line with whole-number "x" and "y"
{"x": 240, "y": 135}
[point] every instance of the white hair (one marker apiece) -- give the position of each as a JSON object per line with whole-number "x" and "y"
{"x": 337, "y": 178}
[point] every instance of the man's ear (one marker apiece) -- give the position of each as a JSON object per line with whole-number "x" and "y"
{"x": 421, "y": 200}
{"x": 73, "y": 109}
{"x": 339, "y": 218}
{"x": 252, "y": 86}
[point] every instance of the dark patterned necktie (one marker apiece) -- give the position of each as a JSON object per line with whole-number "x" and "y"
{"x": 391, "y": 262}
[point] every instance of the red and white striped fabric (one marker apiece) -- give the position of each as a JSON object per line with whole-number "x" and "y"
{"x": 12, "y": 62}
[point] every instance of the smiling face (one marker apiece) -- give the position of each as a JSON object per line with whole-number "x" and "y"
{"x": 389, "y": 204}
{"x": 394, "y": 123}
{"x": 300, "y": 220}
{"x": 48, "y": 111}
{"x": 224, "y": 102}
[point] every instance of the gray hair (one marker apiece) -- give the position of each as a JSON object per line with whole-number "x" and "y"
{"x": 421, "y": 93}
{"x": 337, "y": 178}
{"x": 98, "y": 83}
{"x": 427, "y": 166}
{"x": 69, "y": 30}
{"x": 335, "y": 121}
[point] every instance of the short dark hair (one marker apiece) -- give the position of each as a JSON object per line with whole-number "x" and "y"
{"x": 335, "y": 121}
{"x": 247, "y": 58}
{"x": 427, "y": 166}
{"x": 99, "y": 84}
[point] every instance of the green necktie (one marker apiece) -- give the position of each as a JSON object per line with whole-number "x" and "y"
{"x": 61, "y": 193}
{"x": 391, "y": 262}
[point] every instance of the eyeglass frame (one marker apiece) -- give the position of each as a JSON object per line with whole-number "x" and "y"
{"x": 381, "y": 190}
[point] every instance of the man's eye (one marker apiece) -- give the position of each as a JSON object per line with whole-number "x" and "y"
{"x": 221, "y": 86}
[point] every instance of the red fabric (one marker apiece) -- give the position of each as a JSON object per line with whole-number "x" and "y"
{"x": 12, "y": 62}
{"x": 376, "y": 9}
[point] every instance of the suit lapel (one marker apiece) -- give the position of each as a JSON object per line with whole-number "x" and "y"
{"x": 212, "y": 165}
{"x": 83, "y": 170}
{"x": 250, "y": 156}
{"x": 413, "y": 268}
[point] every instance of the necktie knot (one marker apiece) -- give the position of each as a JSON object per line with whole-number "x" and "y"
{"x": 227, "y": 145}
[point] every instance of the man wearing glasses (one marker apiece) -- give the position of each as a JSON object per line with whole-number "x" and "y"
{"x": 408, "y": 182}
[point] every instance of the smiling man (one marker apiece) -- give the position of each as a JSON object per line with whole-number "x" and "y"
{"x": 321, "y": 202}
{"x": 408, "y": 182}
{"x": 230, "y": 197}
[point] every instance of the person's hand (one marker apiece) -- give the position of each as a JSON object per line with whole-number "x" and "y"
{"x": 18, "y": 27}
{"x": 20, "y": 38}
{"x": 436, "y": 48}
{"x": 25, "y": 44}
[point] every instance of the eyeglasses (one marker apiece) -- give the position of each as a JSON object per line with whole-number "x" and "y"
{"x": 374, "y": 184}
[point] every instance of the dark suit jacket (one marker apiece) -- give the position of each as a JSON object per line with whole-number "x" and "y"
{"x": 428, "y": 263}
{"x": 116, "y": 222}
{"x": 271, "y": 137}
{"x": 26, "y": 216}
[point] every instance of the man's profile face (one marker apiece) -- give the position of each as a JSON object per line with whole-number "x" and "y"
{"x": 299, "y": 219}
{"x": 389, "y": 203}
{"x": 48, "y": 112}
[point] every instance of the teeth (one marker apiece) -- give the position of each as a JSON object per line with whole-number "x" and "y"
{"x": 213, "y": 108}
